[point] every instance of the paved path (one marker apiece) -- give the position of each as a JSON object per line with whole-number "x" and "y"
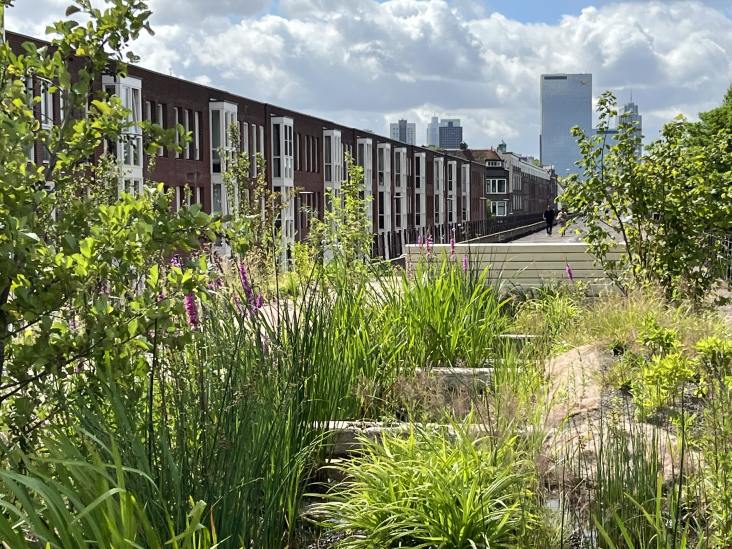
{"x": 570, "y": 237}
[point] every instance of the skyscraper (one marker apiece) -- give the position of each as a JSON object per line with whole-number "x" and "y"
{"x": 403, "y": 131}
{"x": 451, "y": 133}
{"x": 628, "y": 114}
{"x": 566, "y": 101}
{"x": 433, "y": 132}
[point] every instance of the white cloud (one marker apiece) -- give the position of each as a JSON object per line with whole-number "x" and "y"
{"x": 364, "y": 62}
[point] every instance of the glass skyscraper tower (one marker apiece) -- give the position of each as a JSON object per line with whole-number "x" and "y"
{"x": 566, "y": 101}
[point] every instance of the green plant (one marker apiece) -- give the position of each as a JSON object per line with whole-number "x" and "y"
{"x": 670, "y": 210}
{"x": 75, "y": 500}
{"x": 663, "y": 524}
{"x": 83, "y": 266}
{"x": 344, "y": 235}
{"x": 658, "y": 339}
{"x": 434, "y": 489}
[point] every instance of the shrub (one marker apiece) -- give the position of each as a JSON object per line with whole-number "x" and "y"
{"x": 427, "y": 490}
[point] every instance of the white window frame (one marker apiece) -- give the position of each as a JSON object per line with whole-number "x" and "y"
{"x": 498, "y": 208}
{"x": 494, "y": 186}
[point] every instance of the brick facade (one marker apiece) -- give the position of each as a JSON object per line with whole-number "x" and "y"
{"x": 165, "y": 99}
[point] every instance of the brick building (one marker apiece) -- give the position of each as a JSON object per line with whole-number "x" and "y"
{"x": 513, "y": 184}
{"x": 415, "y": 191}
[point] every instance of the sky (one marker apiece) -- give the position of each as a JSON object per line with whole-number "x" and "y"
{"x": 365, "y": 63}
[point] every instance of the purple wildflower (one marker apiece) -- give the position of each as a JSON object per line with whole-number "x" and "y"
{"x": 419, "y": 241}
{"x": 237, "y": 303}
{"x": 246, "y": 286}
{"x": 260, "y": 301}
{"x": 465, "y": 263}
{"x": 105, "y": 287}
{"x": 192, "y": 311}
{"x": 161, "y": 295}
{"x": 175, "y": 262}
{"x": 452, "y": 248}
{"x": 218, "y": 282}
{"x": 72, "y": 325}
{"x": 569, "y": 272}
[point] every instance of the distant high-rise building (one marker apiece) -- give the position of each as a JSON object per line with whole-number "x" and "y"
{"x": 628, "y": 114}
{"x": 451, "y": 133}
{"x": 566, "y": 101}
{"x": 434, "y": 131}
{"x": 403, "y": 131}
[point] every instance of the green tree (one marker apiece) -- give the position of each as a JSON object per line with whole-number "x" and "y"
{"x": 344, "y": 235}
{"x": 669, "y": 210}
{"x": 84, "y": 273}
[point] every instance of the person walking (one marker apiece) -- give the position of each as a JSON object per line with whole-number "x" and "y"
{"x": 549, "y": 218}
{"x": 562, "y": 219}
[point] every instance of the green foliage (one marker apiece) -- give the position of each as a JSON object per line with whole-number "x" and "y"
{"x": 664, "y": 526}
{"x": 75, "y": 500}
{"x": 434, "y": 489}
{"x": 344, "y": 235}
{"x": 670, "y": 209}
{"x": 447, "y": 317}
{"x": 83, "y": 271}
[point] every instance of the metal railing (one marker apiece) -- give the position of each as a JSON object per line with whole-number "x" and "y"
{"x": 391, "y": 244}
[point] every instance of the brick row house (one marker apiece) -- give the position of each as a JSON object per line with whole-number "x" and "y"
{"x": 513, "y": 184}
{"x": 414, "y": 191}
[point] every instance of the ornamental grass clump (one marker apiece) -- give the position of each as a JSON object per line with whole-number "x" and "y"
{"x": 434, "y": 489}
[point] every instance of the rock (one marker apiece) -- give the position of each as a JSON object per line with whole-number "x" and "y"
{"x": 575, "y": 385}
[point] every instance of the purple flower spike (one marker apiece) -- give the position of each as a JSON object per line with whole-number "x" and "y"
{"x": 246, "y": 285}
{"x": 237, "y": 303}
{"x": 465, "y": 263}
{"x": 175, "y": 262}
{"x": 192, "y": 311}
{"x": 419, "y": 241}
{"x": 260, "y": 301}
{"x": 569, "y": 272}
{"x": 452, "y": 247}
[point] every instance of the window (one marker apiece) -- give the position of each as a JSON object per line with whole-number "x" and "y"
{"x": 215, "y": 141}
{"x": 381, "y": 209}
{"x": 197, "y": 134}
{"x": 176, "y": 110}
{"x": 449, "y": 210}
{"x": 465, "y": 208}
{"x": 161, "y": 123}
{"x": 450, "y": 175}
{"x": 398, "y": 168}
{"x": 276, "y": 152}
{"x": 418, "y": 172}
{"x": 216, "y": 206}
{"x": 380, "y": 168}
{"x": 516, "y": 181}
{"x": 398, "y": 211}
{"x": 517, "y": 202}
{"x": 253, "y": 156}
{"x": 148, "y": 111}
{"x": 498, "y": 209}
{"x": 437, "y": 210}
{"x": 46, "y": 107}
{"x": 360, "y": 155}
{"x": 418, "y": 209}
{"x": 288, "y": 151}
{"x": 315, "y": 156}
{"x": 495, "y": 186}
{"x": 328, "y": 158}
{"x": 187, "y": 127}
{"x": 297, "y": 153}
{"x": 132, "y": 186}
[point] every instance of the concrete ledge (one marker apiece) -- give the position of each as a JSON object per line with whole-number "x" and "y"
{"x": 455, "y": 378}
{"x": 507, "y": 236}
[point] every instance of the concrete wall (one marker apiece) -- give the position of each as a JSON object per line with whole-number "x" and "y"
{"x": 523, "y": 265}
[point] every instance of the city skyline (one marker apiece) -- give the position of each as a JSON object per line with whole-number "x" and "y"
{"x": 369, "y": 63}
